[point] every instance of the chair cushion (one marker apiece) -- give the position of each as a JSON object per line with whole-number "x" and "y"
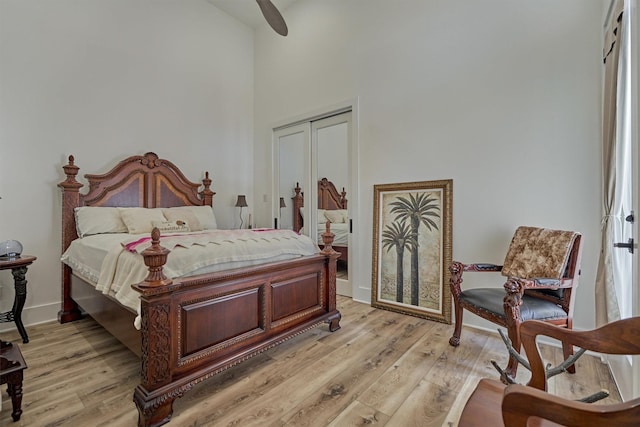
{"x": 538, "y": 252}
{"x": 490, "y": 300}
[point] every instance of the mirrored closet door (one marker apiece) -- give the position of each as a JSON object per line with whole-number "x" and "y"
{"x": 292, "y": 146}
{"x": 312, "y": 180}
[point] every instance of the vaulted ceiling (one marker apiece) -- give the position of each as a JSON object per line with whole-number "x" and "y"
{"x": 248, "y": 11}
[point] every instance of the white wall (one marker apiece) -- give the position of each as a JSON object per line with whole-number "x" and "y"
{"x": 502, "y": 96}
{"x": 105, "y": 79}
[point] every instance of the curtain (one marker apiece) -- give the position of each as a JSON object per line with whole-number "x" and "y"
{"x": 607, "y": 307}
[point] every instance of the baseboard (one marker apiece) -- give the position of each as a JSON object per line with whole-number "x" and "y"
{"x": 34, "y": 315}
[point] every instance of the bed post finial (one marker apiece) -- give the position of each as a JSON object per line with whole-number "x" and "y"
{"x": 327, "y": 239}
{"x": 207, "y": 194}
{"x": 71, "y": 170}
{"x": 298, "y": 203}
{"x": 155, "y": 256}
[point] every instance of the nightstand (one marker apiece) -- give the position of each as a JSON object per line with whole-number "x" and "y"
{"x": 11, "y": 366}
{"x": 18, "y": 267}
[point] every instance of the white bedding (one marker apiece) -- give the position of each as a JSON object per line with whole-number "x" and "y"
{"x": 102, "y": 259}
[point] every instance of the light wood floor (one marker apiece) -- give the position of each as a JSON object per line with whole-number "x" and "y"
{"x": 381, "y": 368}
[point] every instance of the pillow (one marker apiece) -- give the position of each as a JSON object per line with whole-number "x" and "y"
{"x": 98, "y": 220}
{"x": 178, "y": 226}
{"x": 205, "y": 215}
{"x": 184, "y": 215}
{"x": 334, "y": 216}
{"x": 345, "y": 214}
{"x": 321, "y": 216}
{"x": 302, "y": 212}
{"x": 140, "y": 220}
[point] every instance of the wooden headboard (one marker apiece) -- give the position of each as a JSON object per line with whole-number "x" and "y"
{"x": 137, "y": 181}
{"x": 328, "y": 198}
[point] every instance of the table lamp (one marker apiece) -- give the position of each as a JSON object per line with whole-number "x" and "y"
{"x": 241, "y": 203}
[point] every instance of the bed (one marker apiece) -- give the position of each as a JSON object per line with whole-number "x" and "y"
{"x": 332, "y": 207}
{"x": 191, "y": 328}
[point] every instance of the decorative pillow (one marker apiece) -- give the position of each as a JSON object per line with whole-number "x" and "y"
{"x": 322, "y": 218}
{"x": 204, "y": 215}
{"x": 538, "y": 253}
{"x": 334, "y": 216}
{"x": 140, "y": 220}
{"x": 98, "y": 220}
{"x": 178, "y": 226}
{"x": 184, "y": 215}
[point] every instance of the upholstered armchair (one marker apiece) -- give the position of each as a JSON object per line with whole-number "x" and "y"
{"x": 495, "y": 404}
{"x": 542, "y": 268}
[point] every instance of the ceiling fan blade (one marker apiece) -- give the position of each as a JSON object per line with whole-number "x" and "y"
{"x": 273, "y": 17}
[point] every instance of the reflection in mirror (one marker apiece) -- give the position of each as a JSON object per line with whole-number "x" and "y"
{"x": 304, "y": 154}
{"x": 291, "y": 170}
{"x": 332, "y": 142}
{"x": 332, "y": 155}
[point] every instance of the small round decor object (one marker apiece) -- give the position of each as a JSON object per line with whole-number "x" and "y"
{"x": 10, "y": 249}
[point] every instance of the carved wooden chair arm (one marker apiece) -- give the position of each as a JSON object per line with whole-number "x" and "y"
{"x": 457, "y": 268}
{"x": 540, "y": 283}
{"x": 515, "y": 287}
{"x": 521, "y": 402}
{"x": 480, "y": 267}
{"x": 620, "y": 337}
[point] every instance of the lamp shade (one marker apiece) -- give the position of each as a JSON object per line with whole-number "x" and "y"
{"x": 282, "y": 204}
{"x": 242, "y": 201}
{"x": 10, "y": 249}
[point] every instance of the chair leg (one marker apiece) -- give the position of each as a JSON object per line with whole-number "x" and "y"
{"x": 456, "y": 269}
{"x": 512, "y": 365}
{"x": 457, "y": 331}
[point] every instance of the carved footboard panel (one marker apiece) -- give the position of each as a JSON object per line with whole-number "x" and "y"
{"x": 198, "y": 327}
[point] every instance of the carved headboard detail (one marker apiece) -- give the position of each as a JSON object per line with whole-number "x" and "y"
{"x": 137, "y": 181}
{"x": 328, "y": 198}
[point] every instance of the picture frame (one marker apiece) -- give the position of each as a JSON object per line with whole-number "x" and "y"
{"x": 412, "y": 228}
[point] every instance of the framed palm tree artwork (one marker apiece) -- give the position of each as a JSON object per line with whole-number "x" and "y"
{"x": 412, "y": 225}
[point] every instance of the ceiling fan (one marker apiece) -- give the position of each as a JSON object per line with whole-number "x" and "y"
{"x": 273, "y": 17}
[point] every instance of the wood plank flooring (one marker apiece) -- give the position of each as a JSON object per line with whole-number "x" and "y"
{"x": 381, "y": 368}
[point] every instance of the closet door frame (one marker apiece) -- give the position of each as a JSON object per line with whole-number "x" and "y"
{"x": 360, "y": 293}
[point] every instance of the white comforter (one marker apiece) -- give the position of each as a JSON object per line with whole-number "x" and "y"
{"x": 113, "y": 261}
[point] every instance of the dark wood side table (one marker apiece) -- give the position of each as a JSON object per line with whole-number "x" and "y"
{"x": 18, "y": 268}
{"x": 11, "y": 366}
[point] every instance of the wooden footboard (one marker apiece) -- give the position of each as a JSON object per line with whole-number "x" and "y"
{"x": 202, "y": 325}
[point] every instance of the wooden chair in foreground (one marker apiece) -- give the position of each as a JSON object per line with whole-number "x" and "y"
{"x": 495, "y": 404}
{"x": 542, "y": 267}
